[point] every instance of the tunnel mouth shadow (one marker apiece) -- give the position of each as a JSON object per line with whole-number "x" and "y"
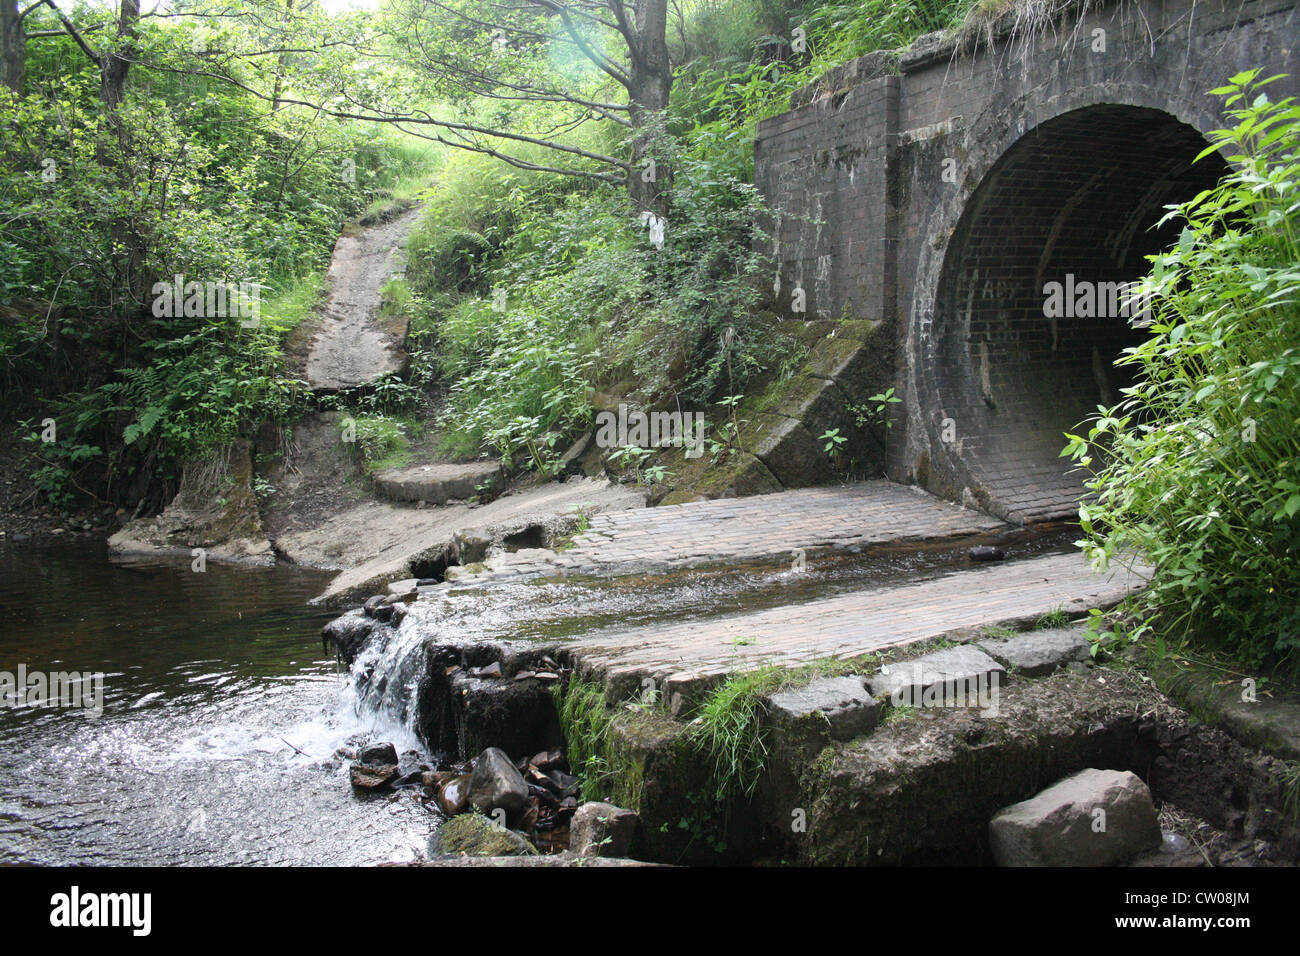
{"x": 1032, "y": 307}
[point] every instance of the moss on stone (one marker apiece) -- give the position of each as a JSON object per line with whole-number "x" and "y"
{"x": 830, "y": 367}
{"x": 606, "y": 767}
{"x": 475, "y": 835}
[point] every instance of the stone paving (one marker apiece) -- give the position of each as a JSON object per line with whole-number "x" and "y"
{"x": 681, "y": 656}
{"x": 757, "y": 527}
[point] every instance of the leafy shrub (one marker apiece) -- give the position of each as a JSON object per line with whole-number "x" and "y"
{"x": 451, "y": 260}
{"x": 1197, "y": 469}
{"x": 381, "y": 440}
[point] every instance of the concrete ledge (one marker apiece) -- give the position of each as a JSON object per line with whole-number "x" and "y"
{"x": 909, "y": 681}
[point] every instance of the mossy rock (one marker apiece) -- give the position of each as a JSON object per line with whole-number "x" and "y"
{"x": 844, "y": 361}
{"x": 665, "y": 778}
{"x": 475, "y": 835}
{"x": 740, "y": 474}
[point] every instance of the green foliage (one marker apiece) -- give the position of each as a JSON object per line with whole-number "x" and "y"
{"x": 517, "y": 380}
{"x": 833, "y": 440}
{"x": 842, "y": 31}
{"x": 604, "y": 769}
{"x": 382, "y": 441}
{"x": 1197, "y": 469}
{"x": 729, "y": 730}
{"x": 188, "y": 176}
{"x": 1052, "y": 619}
{"x": 698, "y": 332}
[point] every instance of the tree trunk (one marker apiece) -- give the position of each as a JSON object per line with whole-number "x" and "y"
{"x": 13, "y": 46}
{"x": 127, "y": 244}
{"x": 651, "y": 73}
{"x": 282, "y": 62}
{"x": 116, "y": 63}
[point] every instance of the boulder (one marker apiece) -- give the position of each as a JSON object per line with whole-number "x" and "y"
{"x": 496, "y": 784}
{"x": 381, "y": 754}
{"x": 372, "y": 776}
{"x": 1038, "y": 653}
{"x": 474, "y": 835}
{"x": 602, "y": 829}
{"x": 348, "y": 633}
{"x": 453, "y": 795}
{"x": 1093, "y": 818}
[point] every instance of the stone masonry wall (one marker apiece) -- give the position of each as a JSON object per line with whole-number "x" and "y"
{"x": 940, "y": 193}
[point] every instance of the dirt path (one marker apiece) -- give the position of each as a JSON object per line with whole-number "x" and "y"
{"x": 352, "y": 348}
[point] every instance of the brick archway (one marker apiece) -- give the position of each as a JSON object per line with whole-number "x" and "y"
{"x": 1076, "y": 196}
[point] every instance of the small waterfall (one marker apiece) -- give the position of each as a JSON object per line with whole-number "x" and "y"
{"x": 386, "y": 677}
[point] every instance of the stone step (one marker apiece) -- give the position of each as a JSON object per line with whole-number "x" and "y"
{"x": 838, "y": 708}
{"x": 1037, "y": 653}
{"x": 438, "y": 484}
{"x": 908, "y": 682}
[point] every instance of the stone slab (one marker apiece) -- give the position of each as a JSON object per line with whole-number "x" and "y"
{"x": 907, "y": 681}
{"x": 838, "y": 708}
{"x": 1039, "y": 653}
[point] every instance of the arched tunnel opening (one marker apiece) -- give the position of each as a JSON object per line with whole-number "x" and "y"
{"x": 1076, "y": 202}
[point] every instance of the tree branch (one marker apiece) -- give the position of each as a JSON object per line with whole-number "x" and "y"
{"x": 422, "y": 119}
{"x": 514, "y": 160}
{"x": 72, "y": 31}
{"x": 603, "y": 62}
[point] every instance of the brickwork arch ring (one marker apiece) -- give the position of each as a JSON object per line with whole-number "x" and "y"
{"x": 1069, "y": 196}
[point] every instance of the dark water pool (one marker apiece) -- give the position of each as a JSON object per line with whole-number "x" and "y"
{"x": 221, "y": 713}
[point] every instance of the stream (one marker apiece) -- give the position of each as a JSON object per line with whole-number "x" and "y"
{"x": 221, "y": 715}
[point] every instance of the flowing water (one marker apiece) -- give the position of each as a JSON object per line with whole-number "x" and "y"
{"x": 222, "y": 713}
{"x": 555, "y": 609}
{"x": 221, "y": 717}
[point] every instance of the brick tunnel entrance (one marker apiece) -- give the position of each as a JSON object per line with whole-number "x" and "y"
{"x": 1073, "y": 202}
